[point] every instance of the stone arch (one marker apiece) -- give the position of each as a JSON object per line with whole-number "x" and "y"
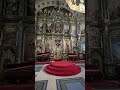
{"x": 44, "y": 4}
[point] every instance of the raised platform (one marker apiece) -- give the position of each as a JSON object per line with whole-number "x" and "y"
{"x": 62, "y": 68}
{"x": 48, "y": 62}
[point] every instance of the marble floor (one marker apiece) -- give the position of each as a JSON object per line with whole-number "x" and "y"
{"x": 51, "y": 79}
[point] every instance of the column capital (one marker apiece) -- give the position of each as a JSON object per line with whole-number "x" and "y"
{"x": 20, "y": 26}
{"x": 106, "y": 22}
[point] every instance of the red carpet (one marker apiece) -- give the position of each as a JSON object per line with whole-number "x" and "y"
{"x": 17, "y": 87}
{"x": 88, "y": 87}
{"x": 78, "y": 61}
{"x": 42, "y": 62}
{"x": 48, "y": 62}
{"x": 62, "y": 68}
{"x": 104, "y": 84}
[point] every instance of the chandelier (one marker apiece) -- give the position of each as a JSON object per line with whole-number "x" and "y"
{"x": 76, "y": 5}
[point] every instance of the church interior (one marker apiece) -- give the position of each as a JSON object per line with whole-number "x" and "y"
{"x": 59, "y": 45}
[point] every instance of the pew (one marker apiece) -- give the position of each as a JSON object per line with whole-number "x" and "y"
{"x": 72, "y": 57}
{"x": 17, "y": 87}
{"x": 43, "y": 57}
{"x": 92, "y": 73}
{"x": 19, "y": 73}
{"x": 88, "y": 87}
{"x": 118, "y": 71}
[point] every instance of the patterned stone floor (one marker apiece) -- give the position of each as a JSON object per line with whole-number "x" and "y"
{"x": 50, "y": 81}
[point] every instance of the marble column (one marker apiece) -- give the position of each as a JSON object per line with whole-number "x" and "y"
{"x": 20, "y": 33}
{"x": 108, "y": 67}
{"x": 87, "y": 58}
{"x": 106, "y": 44}
{"x": 78, "y": 36}
{"x": 19, "y": 43}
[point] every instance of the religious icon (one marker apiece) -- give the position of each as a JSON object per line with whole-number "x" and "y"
{"x": 66, "y": 29}
{"x": 8, "y": 36}
{"x": 48, "y": 44}
{"x": 47, "y": 47}
{"x": 44, "y": 27}
{"x": 70, "y": 16}
{"x": 74, "y": 42}
{"x": 11, "y": 8}
{"x": 73, "y": 30}
{"x": 49, "y": 13}
{"x": 38, "y": 42}
{"x": 48, "y": 30}
{"x": 39, "y": 28}
{"x": 38, "y": 50}
{"x": 115, "y": 43}
{"x": 58, "y": 49}
{"x": 40, "y": 13}
{"x": 66, "y": 16}
{"x": 67, "y": 45}
{"x": 75, "y": 50}
{"x": 58, "y": 27}
{"x": 29, "y": 45}
{"x": 45, "y": 11}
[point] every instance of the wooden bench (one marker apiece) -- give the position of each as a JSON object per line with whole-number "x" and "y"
{"x": 43, "y": 57}
{"x": 92, "y": 73}
{"x": 23, "y": 72}
{"x": 72, "y": 57}
{"x": 17, "y": 87}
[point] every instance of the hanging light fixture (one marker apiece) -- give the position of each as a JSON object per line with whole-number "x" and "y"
{"x": 76, "y": 5}
{"x": 82, "y": 7}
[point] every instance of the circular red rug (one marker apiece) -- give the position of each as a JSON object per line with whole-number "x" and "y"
{"x": 62, "y": 68}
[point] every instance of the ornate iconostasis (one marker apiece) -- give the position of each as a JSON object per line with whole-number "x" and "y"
{"x": 58, "y": 32}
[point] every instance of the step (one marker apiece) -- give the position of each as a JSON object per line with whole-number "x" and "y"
{"x": 62, "y": 68}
